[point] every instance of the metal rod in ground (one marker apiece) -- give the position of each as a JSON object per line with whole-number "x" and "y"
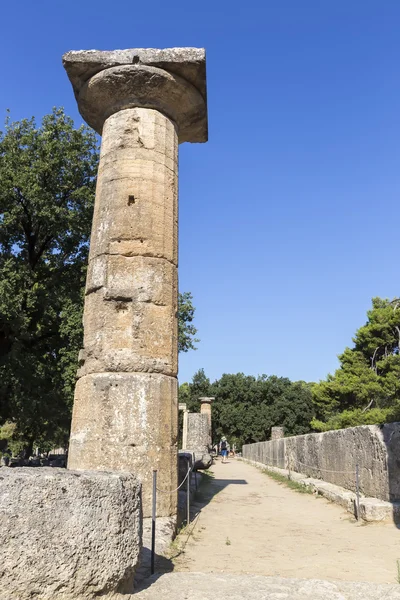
{"x": 153, "y": 520}
{"x": 188, "y": 495}
{"x": 358, "y": 492}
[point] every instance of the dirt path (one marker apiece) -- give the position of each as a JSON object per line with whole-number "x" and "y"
{"x": 251, "y": 524}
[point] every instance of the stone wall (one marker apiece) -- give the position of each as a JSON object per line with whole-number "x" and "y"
{"x": 67, "y": 534}
{"x": 198, "y": 437}
{"x": 333, "y": 456}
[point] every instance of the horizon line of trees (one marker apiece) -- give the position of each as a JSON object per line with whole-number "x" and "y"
{"x": 47, "y": 188}
{"x": 247, "y": 407}
{"x": 364, "y": 390}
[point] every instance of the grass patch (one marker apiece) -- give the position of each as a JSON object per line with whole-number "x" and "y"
{"x": 293, "y": 485}
{"x": 174, "y": 548}
{"x": 208, "y": 473}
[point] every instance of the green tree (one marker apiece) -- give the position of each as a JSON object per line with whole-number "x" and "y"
{"x": 186, "y": 329}
{"x": 200, "y": 386}
{"x": 365, "y": 388}
{"x": 47, "y": 186}
{"x": 245, "y": 407}
{"x": 47, "y": 183}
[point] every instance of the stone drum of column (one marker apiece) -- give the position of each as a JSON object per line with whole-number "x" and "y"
{"x": 277, "y": 433}
{"x": 125, "y": 406}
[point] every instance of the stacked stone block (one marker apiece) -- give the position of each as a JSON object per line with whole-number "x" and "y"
{"x": 143, "y": 103}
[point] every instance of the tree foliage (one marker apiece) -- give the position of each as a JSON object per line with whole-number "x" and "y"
{"x": 47, "y": 186}
{"x": 186, "y": 329}
{"x": 47, "y": 182}
{"x": 365, "y": 389}
{"x": 247, "y": 407}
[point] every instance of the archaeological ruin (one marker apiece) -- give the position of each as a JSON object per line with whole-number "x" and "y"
{"x": 144, "y": 103}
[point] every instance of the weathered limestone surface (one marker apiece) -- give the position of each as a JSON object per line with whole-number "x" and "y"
{"x": 203, "y": 461}
{"x": 185, "y": 411}
{"x": 198, "y": 438}
{"x": 143, "y": 102}
{"x": 125, "y": 421}
{"x": 172, "y": 81}
{"x": 66, "y": 535}
{"x": 125, "y": 409}
{"x": 205, "y": 409}
{"x": 165, "y": 533}
{"x": 374, "y": 510}
{"x": 185, "y": 462}
{"x": 333, "y": 456}
{"x": 130, "y": 319}
{"x": 277, "y": 433}
{"x": 205, "y": 586}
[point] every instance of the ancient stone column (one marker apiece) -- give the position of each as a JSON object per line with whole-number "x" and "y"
{"x": 277, "y": 433}
{"x": 198, "y": 437}
{"x": 205, "y": 409}
{"x": 143, "y": 102}
{"x": 185, "y": 411}
{"x": 185, "y": 429}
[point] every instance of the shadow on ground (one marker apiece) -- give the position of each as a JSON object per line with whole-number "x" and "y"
{"x": 162, "y": 564}
{"x": 210, "y": 486}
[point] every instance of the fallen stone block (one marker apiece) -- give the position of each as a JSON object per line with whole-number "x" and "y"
{"x": 373, "y": 509}
{"x": 68, "y": 535}
{"x": 185, "y": 462}
{"x": 202, "y": 461}
{"x": 331, "y": 492}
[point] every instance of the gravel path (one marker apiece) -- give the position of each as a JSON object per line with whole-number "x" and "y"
{"x": 250, "y": 524}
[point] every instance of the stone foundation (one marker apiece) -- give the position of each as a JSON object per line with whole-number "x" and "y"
{"x": 207, "y": 586}
{"x": 68, "y": 535}
{"x": 125, "y": 422}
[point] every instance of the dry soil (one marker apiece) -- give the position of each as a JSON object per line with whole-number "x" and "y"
{"x": 248, "y": 523}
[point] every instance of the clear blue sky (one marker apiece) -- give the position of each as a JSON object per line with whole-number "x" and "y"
{"x": 289, "y": 215}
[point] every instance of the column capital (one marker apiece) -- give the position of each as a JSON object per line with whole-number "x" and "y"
{"x": 172, "y": 81}
{"x": 207, "y": 399}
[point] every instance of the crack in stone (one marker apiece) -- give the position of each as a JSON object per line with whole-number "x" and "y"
{"x": 131, "y": 254}
{"x": 120, "y": 298}
{"x": 122, "y": 373}
{"x": 163, "y": 164}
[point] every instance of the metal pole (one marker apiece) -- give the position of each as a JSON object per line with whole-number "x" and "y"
{"x": 358, "y": 492}
{"x": 188, "y": 495}
{"x": 153, "y": 520}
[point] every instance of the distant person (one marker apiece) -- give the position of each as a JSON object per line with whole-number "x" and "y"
{"x": 224, "y": 449}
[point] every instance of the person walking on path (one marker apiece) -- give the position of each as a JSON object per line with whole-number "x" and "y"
{"x": 224, "y": 449}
